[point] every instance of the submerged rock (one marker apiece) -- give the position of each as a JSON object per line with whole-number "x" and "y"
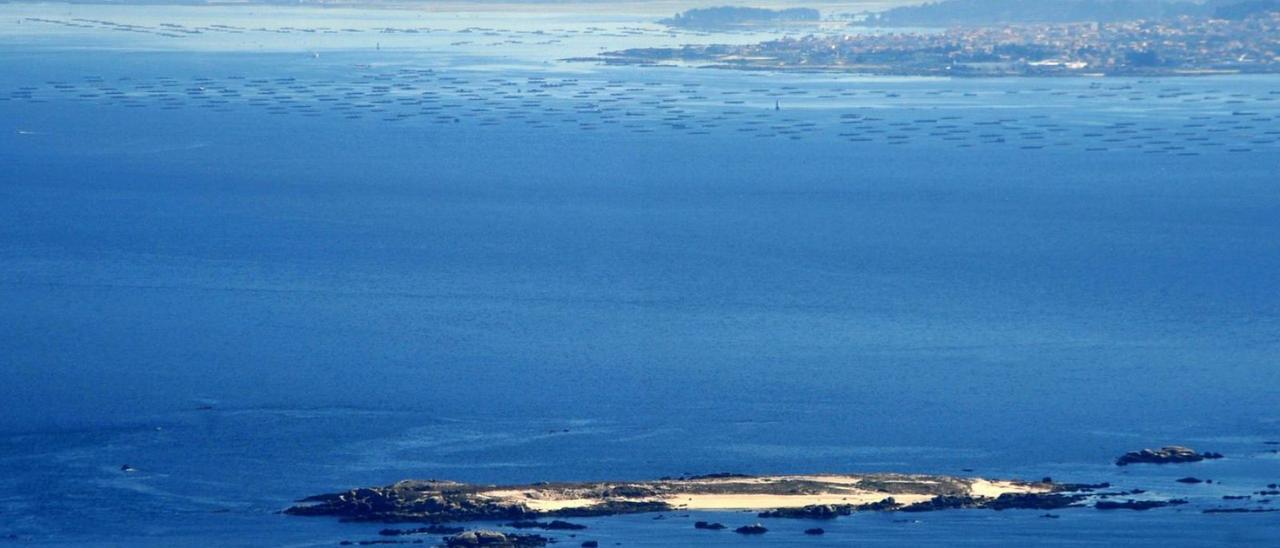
{"x": 709, "y": 526}
{"x": 1240, "y": 510}
{"x": 1120, "y": 493}
{"x": 1083, "y": 487}
{"x": 429, "y": 530}
{"x": 377, "y": 542}
{"x": 554, "y": 525}
{"x": 815, "y": 531}
{"x": 1166, "y": 455}
{"x": 1137, "y": 504}
{"x": 753, "y": 529}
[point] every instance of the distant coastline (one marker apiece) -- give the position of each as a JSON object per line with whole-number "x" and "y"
{"x": 949, "y": 13}
{"x": 1185, "y": 47}
{"x": 730, "y": 17}
{"x": 656, "y": 8}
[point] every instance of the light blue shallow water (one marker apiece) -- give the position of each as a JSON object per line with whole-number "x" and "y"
{"x": 609, "y": 273}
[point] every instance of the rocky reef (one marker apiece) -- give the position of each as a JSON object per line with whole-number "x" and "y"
{"x": 1166, "y": 455}
{"x": 1137, "y": 504}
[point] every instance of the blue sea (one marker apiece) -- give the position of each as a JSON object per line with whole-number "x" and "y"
{"x": 258, "y": 254}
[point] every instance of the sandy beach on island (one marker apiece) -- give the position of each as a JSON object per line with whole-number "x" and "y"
{"x": 759, "y": 493}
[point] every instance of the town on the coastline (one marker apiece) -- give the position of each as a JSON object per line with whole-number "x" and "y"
{"x": 1177, "y": 46}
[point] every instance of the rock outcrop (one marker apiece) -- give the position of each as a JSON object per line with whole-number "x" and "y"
{"x": 831, "y": 511}
{"x": 1032, "y": 501}
{"x": 944, "y": 502}
{"x": 1166, "y": 455}
{"x": 429, "y": 530}
{"x": 813, "y": 511}
{"x": 494, "y": 539}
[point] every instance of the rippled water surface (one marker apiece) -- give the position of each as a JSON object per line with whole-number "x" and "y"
{"x": 277, "y": 252}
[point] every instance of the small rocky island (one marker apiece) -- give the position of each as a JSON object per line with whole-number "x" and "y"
{"x": 1172, "y": 454}
{"x": 807, "y": 496}
{"x": 441, "y": 507}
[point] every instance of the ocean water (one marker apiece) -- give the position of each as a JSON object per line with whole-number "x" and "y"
{"x": 274, "y": 260}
